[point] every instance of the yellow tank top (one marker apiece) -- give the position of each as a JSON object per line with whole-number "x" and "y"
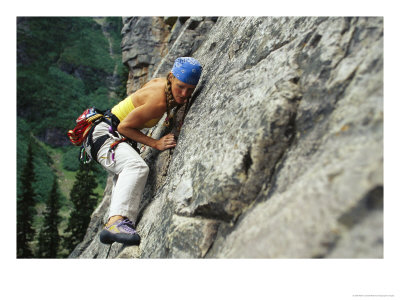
{"x": 123, "y": 108}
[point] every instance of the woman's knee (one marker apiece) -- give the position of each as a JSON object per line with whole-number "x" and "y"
{"x": 144, "y": 168}
{"x": 137, "y": 166}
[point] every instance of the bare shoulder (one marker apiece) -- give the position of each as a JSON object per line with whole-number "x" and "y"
{"x": 155, "y": 82}
{"x": 152, "y": 93}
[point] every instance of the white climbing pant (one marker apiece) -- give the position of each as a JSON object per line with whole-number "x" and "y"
{"x": 130, "y": 175}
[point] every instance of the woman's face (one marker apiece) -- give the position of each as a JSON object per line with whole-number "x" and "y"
{"x": 181, "y": 91}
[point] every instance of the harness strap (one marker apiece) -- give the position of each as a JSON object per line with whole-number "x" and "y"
{"x": 113, "y": 122}
{"x": 113, "y": 130}
{"x": 113, "y": 119}
{"x": 95, "y": 147}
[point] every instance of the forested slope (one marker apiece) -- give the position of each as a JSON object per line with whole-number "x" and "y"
{"x": 64, "y": 65}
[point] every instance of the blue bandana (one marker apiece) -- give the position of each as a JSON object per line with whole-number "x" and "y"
{"x": 187, "y": 70}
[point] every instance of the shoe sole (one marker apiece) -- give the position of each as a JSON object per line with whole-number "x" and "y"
{"x": 107, "y": 237}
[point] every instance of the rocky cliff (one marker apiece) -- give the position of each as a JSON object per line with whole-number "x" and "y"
{"x": 281, "y": 151}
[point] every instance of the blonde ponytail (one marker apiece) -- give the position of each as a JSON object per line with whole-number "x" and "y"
{"x": 170, "y": 99}
{"x": 171, "y": 103}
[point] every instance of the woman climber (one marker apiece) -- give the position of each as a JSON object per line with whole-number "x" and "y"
{"x": 142, "y": 109}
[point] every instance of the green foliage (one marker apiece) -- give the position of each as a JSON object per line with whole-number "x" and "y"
{"x": 33, "y": 189}
{"x": 70, "y": 162}
{"x": 62, "y": 69}
{"x": 70, "y": 159}
{"x": 43, "y": 172}
{"x": 88, "y": 51}
{"x": 114, "y": 28}
{"x": 49, "y": 238}
{"x": 26, "y": 209}
{"x": 101, "y": 177}
{"x": 99, "y": 98}
{"x": 41, "y": 162}
{"x": 22, "y": 148}
{"x": 62, "y": 63}
{"x": 40, "y": 40}
{"x": 84, "y": 200}
{"x": 44, "y": 177}
{"x": 123, "y": 74}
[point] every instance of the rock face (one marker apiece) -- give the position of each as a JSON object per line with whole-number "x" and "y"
{"x": 281, "y": 151}
{"x": 146, "y": 41}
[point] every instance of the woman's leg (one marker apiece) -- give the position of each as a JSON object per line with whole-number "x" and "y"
{"x": 130, "y": 176}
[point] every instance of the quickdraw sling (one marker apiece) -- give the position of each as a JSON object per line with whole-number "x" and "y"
{"x": 84, "y": 123}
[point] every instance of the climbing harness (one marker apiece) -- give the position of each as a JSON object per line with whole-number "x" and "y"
{"x": 82, "y": 135}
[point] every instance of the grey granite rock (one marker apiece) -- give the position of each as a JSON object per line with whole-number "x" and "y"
{"x": 281, "y": 152}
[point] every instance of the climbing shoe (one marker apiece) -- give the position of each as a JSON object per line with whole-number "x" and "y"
{"x": 121, "y": 231}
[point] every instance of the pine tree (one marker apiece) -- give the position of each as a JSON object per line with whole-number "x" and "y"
{"x": 26, "y": 209}
{"x": 49, "y": 238}
{"x": 84, "y": 200}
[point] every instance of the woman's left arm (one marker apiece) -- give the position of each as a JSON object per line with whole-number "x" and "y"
{"x": 137, "y": 118}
